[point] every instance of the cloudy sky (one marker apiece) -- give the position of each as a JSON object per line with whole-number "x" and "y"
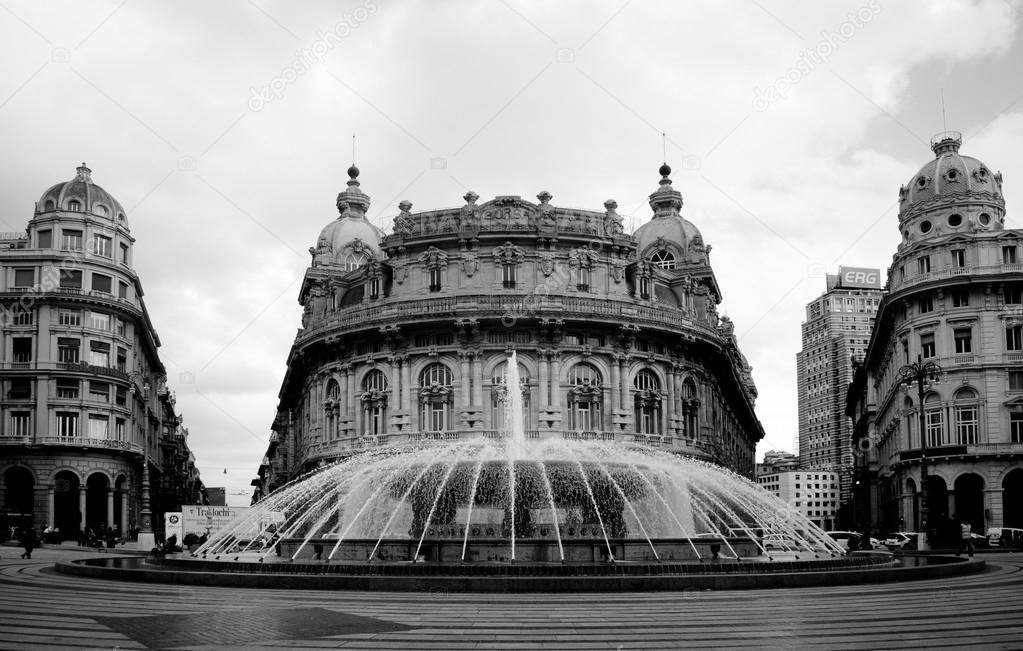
{"x": 225, "y": 128}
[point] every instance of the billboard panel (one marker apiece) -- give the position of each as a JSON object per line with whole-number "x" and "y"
{"x": 859, "y": 277}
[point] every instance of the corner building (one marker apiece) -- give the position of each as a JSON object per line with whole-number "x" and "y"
{"x": 406, "y": 335}
{"x": 954, "y": 298}
{"x": 82, "y": 390}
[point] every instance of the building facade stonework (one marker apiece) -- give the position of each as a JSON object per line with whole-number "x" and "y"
{"x": 83, "y": 398}
{"x": 954, "y": 298}
{"x": 406, "y": 335}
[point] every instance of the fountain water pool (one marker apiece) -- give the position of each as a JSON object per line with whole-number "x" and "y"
{"x": 512, "y": 500}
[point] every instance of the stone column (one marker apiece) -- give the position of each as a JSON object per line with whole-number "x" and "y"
{"x": 81, "y": 507}
{"x": 342, "y": 394}
{"x": 544, "y": 379}
{"x": 110, "y": 508}
{"x": 395, "y": 382}
{"x": 624, "y": 361}
{"x": 463, "y": 361}
{"x": 406, "y": 393}
{"x": 124, "y": 512}
{"x": 477, "y": 389}
{"x": 671, "y": 406}
{"x": 555, "y": 379}
{"x": 616, "y": 379}
{"x": 51, "y": 516}
{"x": 350, "y": 373}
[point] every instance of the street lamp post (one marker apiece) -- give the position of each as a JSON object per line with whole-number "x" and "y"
{"x": 147, "y": 539}
{"x": 918, "y": 373}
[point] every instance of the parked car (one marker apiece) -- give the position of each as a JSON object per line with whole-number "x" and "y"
{"x": 847, "y": 539}
{"x": 905, "y": 540}
{"x": 1005, "y": 537}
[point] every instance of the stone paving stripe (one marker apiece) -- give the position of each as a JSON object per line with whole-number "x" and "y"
{"x": 233, "y": 627}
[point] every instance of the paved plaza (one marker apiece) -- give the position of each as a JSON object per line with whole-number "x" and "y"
{"x": 40, "y": 609}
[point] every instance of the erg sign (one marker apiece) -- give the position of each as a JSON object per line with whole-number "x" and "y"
{"x": 859, "y": 277}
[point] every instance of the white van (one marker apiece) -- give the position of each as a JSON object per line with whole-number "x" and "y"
{"x": 1004, "y": 537}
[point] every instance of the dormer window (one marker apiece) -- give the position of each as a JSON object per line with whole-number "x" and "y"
{"x": 353, "y": 261}
{"x": 663, "y": 259}
{"x": 74, "y": 205}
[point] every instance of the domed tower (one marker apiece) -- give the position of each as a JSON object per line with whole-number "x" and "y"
{"x": 953, "y": 317}
{"x": 85, "y": 402}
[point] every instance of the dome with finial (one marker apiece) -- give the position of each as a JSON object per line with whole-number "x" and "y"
{"x": 350, "y": 239}
{"x": 951, "y": 193}
{"x": 81, "y": 195}
{"x": 668, "y": 233}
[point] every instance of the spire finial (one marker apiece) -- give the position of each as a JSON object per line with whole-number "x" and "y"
{"x": 353, "y": 149}
{"x": 664, "y": 148}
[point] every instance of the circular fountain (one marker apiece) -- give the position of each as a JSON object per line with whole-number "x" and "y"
{"x": 514, "y": 514}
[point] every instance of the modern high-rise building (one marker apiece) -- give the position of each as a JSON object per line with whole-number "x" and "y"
{"x": 89, "y": 434}
{"x": 950, "y": 328}
{"x": 836, "y": 330}
{"x": 406, "y": 336}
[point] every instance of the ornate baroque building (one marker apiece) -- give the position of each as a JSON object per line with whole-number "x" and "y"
{"x": 82, "y": 391}
{"x": 954, "y": 298}
{"x": 406, "y": 335}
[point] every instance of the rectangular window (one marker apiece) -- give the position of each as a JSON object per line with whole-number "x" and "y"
{"x": 1015, "y": 380}
{"x": 966, "y": 425}
{"x": 119, "y": 429}
{"x": 1009, "y": 254}
{"x": 584, "y": 280}
{"x": 99, "y": 353}
{"x": 959, "y": 258}
{"x": 99, "y": 321}
{"x": 71, "y": 240}
{"x": 67, "y": 424}
{"x": 964, "y": 340}
{"x": 69, "y": 350}
{"x": 926, "y": 304}
{"x": 21, "y": 350}
{"x": 24, "y": 277}
{"x": 923, "y": 264}
{"x": 1013, "y": 295}
{"x": 103, "y": 246}
{"x": 99, "y": 391}
{"x": 45, "y": 239}
{"x": 1016, "y": 427}
{"x": 935, "y": 427}
{"x": 1014, "y": 338}
{"x": 508, "y": 276}
{"x": 121, "y": 397}
{"x": 119, "y": 327}
{"x": 21, "y": 423}
{"x": 124, "y": 254}
{"x": 101, "y": 283}
{"x": 435, "y": 279}
{"x": 69, "y": 318}
{"x": 70, "y": 279}
{"x": 122, "y": 290}
{"x": 67, "y": 389}
{"x": 99, "y": 427}
{"x": 122, "y": 359}
{"x": 960, "y": 298}
{"x": 22, "y": 317}
{"x": 20, "y": 389}
{"x": 927, "y": 345}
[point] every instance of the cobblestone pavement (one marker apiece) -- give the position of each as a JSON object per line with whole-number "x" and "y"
{"x": 41, "y": 609}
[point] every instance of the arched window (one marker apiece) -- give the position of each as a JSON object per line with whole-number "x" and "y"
{"x": 584, "y": 396}
{"x": 690, "y": 409}
{"x": 499, "y": 395}
{"x": 374, "y": 403}
{"x": 966, "y": 414}
{"x": 353, "y": 261}
{"x": 912, "y": 441}
{"x": 934, "y": 421}
{"x": 648, "y": 399}
{"x": 435, "y": 398}
{"x": 663, "y": 259}
{"x": 332, "y": 408}
{"x": 74, "y": 205}
{"x": 49, "y": 205}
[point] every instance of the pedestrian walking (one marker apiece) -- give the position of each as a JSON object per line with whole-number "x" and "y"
{"x": 965, "y": 538}
{"x": 28, "y": 541}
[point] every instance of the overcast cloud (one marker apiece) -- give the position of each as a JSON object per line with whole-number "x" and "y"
{"x": 224, "y": 128}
